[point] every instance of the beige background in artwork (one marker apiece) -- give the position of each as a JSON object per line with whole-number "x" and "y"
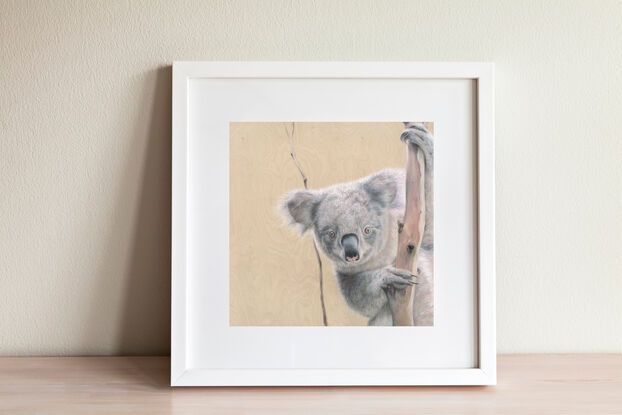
{"x": 274, "y": 273}
{"x": 85, "y": 148}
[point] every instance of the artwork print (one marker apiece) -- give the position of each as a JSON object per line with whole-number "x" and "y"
{"x": 331, "y": 224}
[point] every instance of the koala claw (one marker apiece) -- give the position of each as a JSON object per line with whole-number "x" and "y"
{"x": 418, "y": 135}
{"x": 398, "y": 278}
{"x": 401, "y": 273}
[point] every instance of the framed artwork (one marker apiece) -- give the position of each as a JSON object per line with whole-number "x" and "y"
{"x": 333, "y": 224}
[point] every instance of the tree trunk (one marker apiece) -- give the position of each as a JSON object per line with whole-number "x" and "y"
{"x": 410, "y": 234}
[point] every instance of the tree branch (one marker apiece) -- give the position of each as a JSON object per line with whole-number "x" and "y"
{"x": 410, "y": 234}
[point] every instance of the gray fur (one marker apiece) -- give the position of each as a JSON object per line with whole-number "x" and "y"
{"x": 374, "y": 203}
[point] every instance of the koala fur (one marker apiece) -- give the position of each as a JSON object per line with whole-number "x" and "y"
{"x": 356, "y": 226}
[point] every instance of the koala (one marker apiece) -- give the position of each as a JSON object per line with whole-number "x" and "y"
{"x": 355, "y": 224}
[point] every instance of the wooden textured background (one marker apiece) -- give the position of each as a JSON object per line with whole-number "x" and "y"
{"x": 274, "y": 272}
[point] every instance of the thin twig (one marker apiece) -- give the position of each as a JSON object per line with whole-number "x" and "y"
{"x": 305, "y": 182}
{"x": 319, "y": 263}
{"x": 292, "y": 153}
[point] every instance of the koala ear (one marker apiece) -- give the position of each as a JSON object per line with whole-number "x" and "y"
{"x": 299, "y": 207}
{"x": 381, "y": 188}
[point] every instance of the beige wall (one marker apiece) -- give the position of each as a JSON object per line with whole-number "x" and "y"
{"x": 85, "y": 153}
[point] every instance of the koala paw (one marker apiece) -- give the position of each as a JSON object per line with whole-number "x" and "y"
{"x": 418, "y": 135}
{"x": 394, "y": 283}
{"x": 397, "y": 278}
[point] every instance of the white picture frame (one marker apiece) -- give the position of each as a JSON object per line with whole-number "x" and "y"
{"x": 186, "y": 370}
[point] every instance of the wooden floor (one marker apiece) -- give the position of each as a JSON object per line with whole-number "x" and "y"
{"x": 528, "y": 384}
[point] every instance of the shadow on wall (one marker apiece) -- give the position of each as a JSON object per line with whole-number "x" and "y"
{"x": 140, "y": 236}
{"x": 146, "y": 323}
{"x": 146, "y": 317}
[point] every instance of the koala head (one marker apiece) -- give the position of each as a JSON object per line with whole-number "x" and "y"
{"x": 350, "y": 221}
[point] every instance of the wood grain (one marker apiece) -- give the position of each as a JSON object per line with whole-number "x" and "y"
{"x": 273, "y": 272}
{"x": 528, "y": 384}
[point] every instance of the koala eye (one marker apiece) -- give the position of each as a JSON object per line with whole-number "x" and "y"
{"x": 331, "y": 235}
{"x": 367, "y": 230}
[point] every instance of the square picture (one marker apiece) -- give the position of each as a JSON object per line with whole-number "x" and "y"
{"x": 331, "y": 224}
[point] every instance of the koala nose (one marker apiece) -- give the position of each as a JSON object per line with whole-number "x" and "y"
{"x": 350, "y": 245}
